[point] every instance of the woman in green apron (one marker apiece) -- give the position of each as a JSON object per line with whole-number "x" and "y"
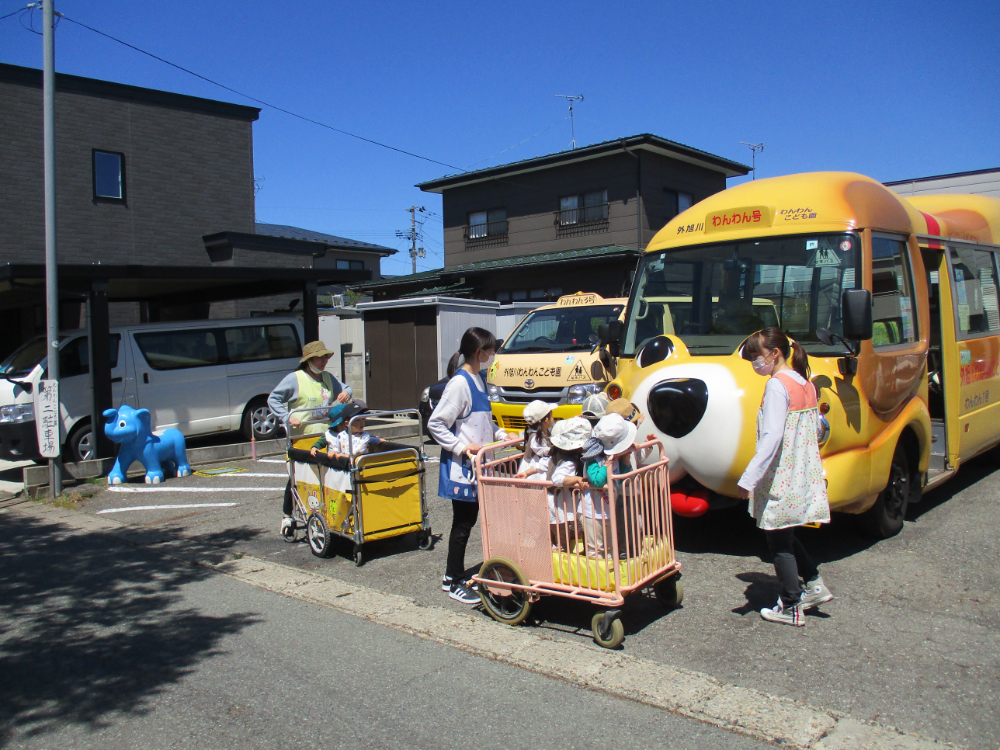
{"x": 308, "y": 386}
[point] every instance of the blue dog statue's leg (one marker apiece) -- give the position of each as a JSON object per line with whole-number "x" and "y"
{"x": 180, "y": 456}
{"x": 151, "y": 460}
{"x": 117, "y": 475}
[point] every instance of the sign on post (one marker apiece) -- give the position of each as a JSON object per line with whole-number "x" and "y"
{"x": 47, "y": 422}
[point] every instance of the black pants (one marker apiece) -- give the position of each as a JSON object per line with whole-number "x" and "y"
{"x": 790, "y": 561}
{"x": 286, "y": 508}
{"x": 466, "y": 513}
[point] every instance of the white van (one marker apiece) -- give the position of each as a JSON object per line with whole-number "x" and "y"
{"x": 201, "y": 377}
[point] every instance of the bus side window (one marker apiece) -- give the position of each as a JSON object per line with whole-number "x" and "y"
{"x": 893, "y": 308}
{"x": 974, "y": 291}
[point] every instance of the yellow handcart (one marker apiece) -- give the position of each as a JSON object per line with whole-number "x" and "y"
{"x": 374, "y": 496}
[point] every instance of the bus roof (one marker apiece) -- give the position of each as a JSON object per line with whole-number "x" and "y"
{"x": 816, "y": 202}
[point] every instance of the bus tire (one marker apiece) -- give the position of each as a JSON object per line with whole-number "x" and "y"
{"x": 885, "y": 518}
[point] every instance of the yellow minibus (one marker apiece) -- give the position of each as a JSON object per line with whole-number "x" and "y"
{"x": 550, "y": 356}
{"x": 895, "y": 301}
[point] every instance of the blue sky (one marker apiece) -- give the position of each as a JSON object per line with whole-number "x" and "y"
{"x": 892, "y": 90}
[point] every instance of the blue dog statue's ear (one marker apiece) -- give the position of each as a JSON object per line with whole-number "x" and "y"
{"x": 144, "y": 417}
{"x": 110, "y": 414}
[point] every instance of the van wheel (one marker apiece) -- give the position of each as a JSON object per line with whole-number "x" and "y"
{"x": 885, "y": 518}
{"x": 80, "y": 445}
{"x": 259, "y": 422}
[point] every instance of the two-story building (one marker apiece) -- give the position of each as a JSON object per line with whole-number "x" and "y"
{"x": 573, "y": 220}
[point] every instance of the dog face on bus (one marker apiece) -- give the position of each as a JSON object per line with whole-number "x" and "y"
{"x": 697, "y": 410}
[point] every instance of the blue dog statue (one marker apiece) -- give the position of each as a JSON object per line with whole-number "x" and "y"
{"x": 131, "y": 428}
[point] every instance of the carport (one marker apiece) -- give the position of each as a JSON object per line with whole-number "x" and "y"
{"x": 98, "y": 285}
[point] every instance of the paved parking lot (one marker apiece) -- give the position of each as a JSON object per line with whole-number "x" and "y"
{"x": 911, "y": 639}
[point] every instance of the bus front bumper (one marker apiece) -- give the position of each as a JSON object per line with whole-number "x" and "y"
{"x": 511, "y": 416}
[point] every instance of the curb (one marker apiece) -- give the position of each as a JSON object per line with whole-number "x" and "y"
{"x": 693, "y": 694}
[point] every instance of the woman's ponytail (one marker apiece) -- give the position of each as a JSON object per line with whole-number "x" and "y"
{"x": 799, "y": 360}
{"x": 454, "y": 363}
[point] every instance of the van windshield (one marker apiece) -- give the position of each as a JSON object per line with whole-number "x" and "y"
{"x": 24, "y": 359}
{"x": 712, "y": 297}
{"x": 560, "y": 329}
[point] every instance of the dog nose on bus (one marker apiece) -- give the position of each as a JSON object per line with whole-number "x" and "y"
{"x": 677, "y": 405}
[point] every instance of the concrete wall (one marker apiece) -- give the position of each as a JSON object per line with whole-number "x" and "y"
{"x": 187, "y": 174}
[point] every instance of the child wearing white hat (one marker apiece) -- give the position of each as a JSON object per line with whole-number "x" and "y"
{"x": 565, "y": 473}
{"x": 594, "y": 506}
{"x": 539, "y": 420}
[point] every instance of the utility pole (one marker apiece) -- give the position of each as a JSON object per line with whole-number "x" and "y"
{"x": 51, "y": 267}
{"x": 571, "y": 99}
{"x": 754, "y": 147}
{"x": 412, "y": 236}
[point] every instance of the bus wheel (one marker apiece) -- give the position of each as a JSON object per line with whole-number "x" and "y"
{"x": 885, "y": 518}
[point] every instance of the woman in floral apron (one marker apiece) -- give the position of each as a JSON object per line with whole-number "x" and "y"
{"x": 784, "y": 481}
{"x": 462, "y": 423}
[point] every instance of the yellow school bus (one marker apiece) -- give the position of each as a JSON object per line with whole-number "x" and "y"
{"x": 550, "y": 356}
{"x": 895, "y": 301}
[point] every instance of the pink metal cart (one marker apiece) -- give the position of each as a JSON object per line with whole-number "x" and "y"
{"x": 628, "y": 547}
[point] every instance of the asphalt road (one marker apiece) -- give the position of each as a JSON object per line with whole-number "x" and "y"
{"x": 911, "y": 640}
{"x": 107, "y": 645}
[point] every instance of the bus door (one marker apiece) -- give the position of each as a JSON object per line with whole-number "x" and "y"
{"x": 936, "y": 267}
{"x": 976, "y": 320}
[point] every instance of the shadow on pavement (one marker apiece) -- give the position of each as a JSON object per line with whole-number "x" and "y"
{"x": 968, "y": 474}
{"x": 89, "y": 629}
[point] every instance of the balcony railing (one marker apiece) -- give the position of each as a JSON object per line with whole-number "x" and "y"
{"x": 574, "y": 217}
{"x": 486, "y": 231}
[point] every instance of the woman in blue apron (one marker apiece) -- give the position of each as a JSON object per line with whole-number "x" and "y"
{"x": 462, "y": 423}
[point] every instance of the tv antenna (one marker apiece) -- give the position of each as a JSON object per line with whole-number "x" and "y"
{"x": 755, "y": 147}
{"x": 571, "y": 99}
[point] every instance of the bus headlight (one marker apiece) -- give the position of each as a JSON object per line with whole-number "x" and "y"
{"x": 494, "y": 393}
{"x": 578, "y": 393}
{"x": 17, "y": 413}
{"x": 824, "y": 430}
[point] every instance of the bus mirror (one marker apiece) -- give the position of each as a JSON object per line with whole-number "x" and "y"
{"x": 856, "y": 312}
{"x": 608, "y": 333}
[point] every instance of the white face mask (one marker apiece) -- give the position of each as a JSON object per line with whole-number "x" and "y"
{"x": 762, "y": 367}
{"x": 313, "y": 367}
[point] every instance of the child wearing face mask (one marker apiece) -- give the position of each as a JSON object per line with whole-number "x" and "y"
{"x": 784, "y": 481}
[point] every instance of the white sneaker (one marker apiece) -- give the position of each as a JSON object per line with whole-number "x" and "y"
{"x": 815, "y": 593}
{"x": 788, "y": 615}
{"x": 286, "y": 526}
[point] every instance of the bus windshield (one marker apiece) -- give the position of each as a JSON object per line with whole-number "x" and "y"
{"x": 713, "y": 296}
{"x": 560, "y": 329}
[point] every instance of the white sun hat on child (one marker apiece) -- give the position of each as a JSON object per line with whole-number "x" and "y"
{"x": 570, "y": 434}
{"x": 536, "y": 411}
{"x": 615, "y": 433}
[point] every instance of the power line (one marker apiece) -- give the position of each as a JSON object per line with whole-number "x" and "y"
{"x": 261, "y": 101}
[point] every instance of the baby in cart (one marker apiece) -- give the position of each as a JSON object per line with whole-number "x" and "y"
{"x": 335, "y": 442}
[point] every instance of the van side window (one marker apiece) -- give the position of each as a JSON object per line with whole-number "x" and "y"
{"x": 173, "y": 350}
{"x": 974, "y": 289}
{"x": 74, "y": 358}
{"x": 258, "y": 343}
{"x": 893, "y": 312}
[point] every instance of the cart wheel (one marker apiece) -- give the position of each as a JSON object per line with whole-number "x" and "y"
{"x": 424, "y": 539}
{"x": 614, "y": 634}
{"x": 510, "y": 606}
{"x": 288, "y": 533}
{"x": 359, "y": 559}
{"x": 318, "y": 536}
{"x": 669, "y": 591}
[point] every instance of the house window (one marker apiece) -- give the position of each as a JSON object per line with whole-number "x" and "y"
{"x": 585, "y": 207}
{"x": 487, "y": 223}
{"x": 503, "y": 296}
{"x": 350, "y": 265}
{"x": 518, "y": 296}
{"x": 109, "y": 175}
{"x": 675, "y": 202}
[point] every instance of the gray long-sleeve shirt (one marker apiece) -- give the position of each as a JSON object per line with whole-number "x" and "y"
{"x": 288, "y": 390}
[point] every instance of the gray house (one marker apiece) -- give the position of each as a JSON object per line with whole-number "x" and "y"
{"x": 155, "y": 211}
{"x": 569, "y": 221}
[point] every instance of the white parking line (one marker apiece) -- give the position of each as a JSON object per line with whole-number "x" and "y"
{"x": 246, "y": 474}
{"x": 271, "y": 461}
{"x": 118, "y": 488}
{"x": 168, "y": 507}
